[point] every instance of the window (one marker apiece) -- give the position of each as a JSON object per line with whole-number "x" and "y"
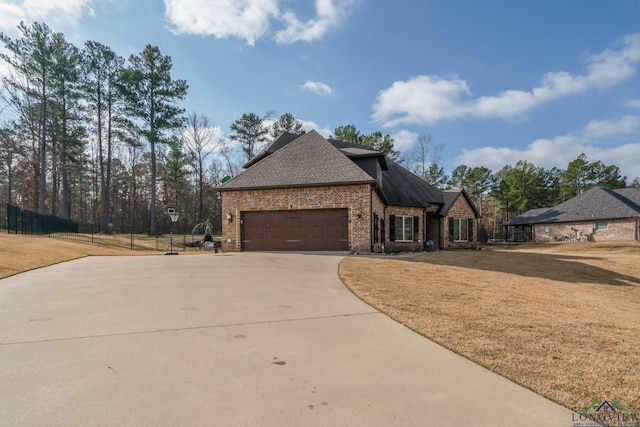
{"x": 403, "y": 228}
{"x": 460, "y": 229}
{"x": 602, "y": 225}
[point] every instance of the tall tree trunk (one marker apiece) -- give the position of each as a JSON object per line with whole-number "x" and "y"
{"x": 66, "y": 192}
{"x": 152, "y": 207}
{"x": 106, "y": 201}
{"x": 43, "y": 148}
{"x": 104, "y": 191}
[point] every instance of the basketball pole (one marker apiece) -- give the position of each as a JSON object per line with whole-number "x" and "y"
{"x": 172, "y": 211}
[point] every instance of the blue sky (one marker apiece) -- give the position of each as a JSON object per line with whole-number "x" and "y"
{"x": 493, "y": 81}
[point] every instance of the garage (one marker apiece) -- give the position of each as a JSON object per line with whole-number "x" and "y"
{"x": 295, "y": 230}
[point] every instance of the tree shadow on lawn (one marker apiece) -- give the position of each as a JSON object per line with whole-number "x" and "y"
{"x": 560, "y": 267}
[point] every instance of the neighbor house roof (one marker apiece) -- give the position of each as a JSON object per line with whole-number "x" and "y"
{"x": 594, "y": 204}
{"x": 528, "y": 217}
{"x": 631, "y": 194}
{"x": 305, "y": 161}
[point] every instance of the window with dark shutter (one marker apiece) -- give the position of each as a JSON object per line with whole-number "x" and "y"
{"x": 416, "y": 227}
{"x": 450, "y": 230}
{"x": 470, "y": 228}
{"x": 392, "y": 228}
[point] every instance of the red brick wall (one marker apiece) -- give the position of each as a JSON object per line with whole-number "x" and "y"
{"x": 418, "y": 239}
{"x": 461, "y": 209}
{"x": 356, "y": 198}
{"x": 617, "y": 230}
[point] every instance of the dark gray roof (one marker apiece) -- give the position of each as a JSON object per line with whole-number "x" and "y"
{"x": 631, "y": 194}
{"x": 359, "y": 150}
{"x": 449, "y": 197}
{"x": 402, "y": 188}
{"x": 528, "y": 217}
{"x": 306, "y": 161}
{"x": 594, "y": 204}
{"x": 283, "y": 140}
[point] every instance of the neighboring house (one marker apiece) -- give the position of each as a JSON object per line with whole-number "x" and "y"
{"x": 307, "y": 193}
{"x": 598, "y": 214}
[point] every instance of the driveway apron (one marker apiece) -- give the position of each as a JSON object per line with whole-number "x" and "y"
{"x": 242, "y": 339}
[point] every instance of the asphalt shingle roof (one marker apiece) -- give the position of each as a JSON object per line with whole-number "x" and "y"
{"x": 402, "y": 188}
{"x": 631, "y": 194}
{"x": 595, "y": 203}
{"x": 305, "y": 161}
{"x": 294, "y": 161}
{"x": 282, "y": 140}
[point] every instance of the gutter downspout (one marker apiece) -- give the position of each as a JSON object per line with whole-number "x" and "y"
{"x": 424, "y": 228}
{"x": 371, "y": 224}
{"x": 383, "y": 237}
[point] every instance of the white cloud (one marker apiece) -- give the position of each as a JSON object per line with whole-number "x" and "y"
{"x": 251, "y": 19}
{"x": 10, "y": 15}
{"x": 559, "y": 151}
{"x": 53, "y": 12}
{"x": 318, "y": 88}
{"x": 330, "y": 15}
{"x": 600, "y": 129}
{"x": 308, "y": 125}
{"x": 244, "y": 19}
{"x": 633, "y": 103}
{"x": 423, "y": 99}
{"x": 404, "y": 140}
{"x": 428, "y": 99}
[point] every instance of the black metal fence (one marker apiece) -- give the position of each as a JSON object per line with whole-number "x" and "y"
{"x": 23, "y": 221}
{"x": 16, "y": 220}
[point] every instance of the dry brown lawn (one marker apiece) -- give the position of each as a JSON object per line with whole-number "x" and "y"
{"x": 562, "y": 319}
{"x": 20, "y": 253}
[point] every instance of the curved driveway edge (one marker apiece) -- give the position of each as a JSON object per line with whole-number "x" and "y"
{"x": 242, "y": 339}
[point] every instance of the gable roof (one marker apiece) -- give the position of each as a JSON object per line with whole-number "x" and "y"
{"x": 305, "y": 161}
{"x": 309, "y": 160}
{"x": 594, "y": 204}
{"x": 277, "y": 144}
{"x": 449, "y": 198}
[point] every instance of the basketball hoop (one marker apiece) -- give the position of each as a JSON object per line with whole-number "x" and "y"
{"x": 173, "y": 213}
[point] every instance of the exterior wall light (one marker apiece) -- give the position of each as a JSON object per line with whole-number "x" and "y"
{"x": 229, "y": 217}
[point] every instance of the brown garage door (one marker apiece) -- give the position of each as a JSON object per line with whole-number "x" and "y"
{"x": 295, "y": 230}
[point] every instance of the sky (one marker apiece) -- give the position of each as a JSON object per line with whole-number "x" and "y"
{"x": 493, "y": 81}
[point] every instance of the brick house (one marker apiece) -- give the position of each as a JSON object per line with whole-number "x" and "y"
{"x": 598, "y": 214}
{"x": 308, "y": 193}
{"x": 459, "y": 220}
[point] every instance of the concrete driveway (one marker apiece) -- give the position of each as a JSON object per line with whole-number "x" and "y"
{"x": 243, "y": 339}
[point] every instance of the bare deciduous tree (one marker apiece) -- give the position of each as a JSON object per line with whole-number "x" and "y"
{"x": 198, "y": 142}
